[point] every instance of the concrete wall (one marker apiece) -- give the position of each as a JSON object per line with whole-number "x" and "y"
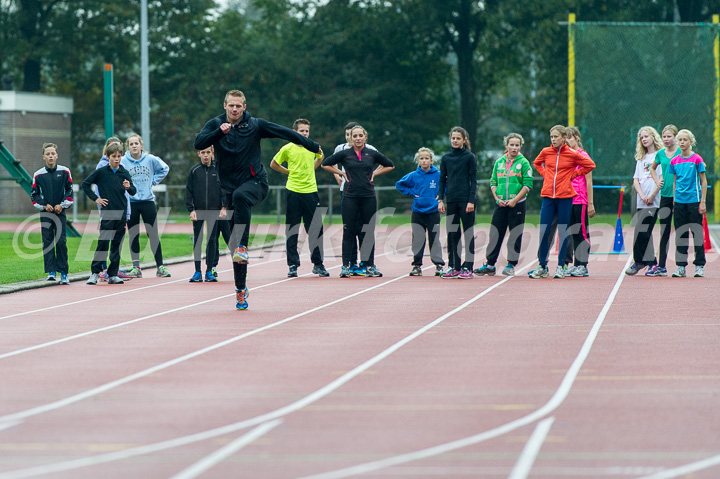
{"x": 27, "y": 120}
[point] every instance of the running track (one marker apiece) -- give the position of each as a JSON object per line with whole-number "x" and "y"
{"x": 606, "y": 376}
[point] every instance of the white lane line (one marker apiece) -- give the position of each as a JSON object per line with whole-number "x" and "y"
{"x": 276, "y": 414}
{"x": 125, "y": 323}
{"x": 9, "y": 424}
{"x": 223, "y": 453}
{"x": 117, "y": 293}
{"x": 52, "y": 406}
{"x": 686, "y": 469}
{"x": 529, "y": 453}
{"x": 555, "y": 401}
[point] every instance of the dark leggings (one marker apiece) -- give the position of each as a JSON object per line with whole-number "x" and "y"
{"x": 244, "y": 198}
{"x": 505, "y": 218}
{"x": 358, "y": 214}
{"x": 460, "y": 223}
{"x": 665, "y": 215}
{"x": 688, "y": 220}
{"x": 643, "y": 249}
{"x": 55, "y": 257}
{"x": 147, "y": 210}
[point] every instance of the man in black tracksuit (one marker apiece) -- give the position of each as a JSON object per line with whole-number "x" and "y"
{"x": 206, "y": 203}
{"x": 236, "y": 137}
{"x": 112, "y": 182}
{"x": 52, "y": 194}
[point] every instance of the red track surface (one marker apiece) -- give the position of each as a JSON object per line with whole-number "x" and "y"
{"x": 498, "y": 361}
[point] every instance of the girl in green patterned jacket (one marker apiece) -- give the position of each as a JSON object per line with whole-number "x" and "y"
{"x": 511, "y": 180}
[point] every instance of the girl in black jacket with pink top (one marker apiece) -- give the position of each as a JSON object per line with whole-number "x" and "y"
{"x": 359, "y": 202}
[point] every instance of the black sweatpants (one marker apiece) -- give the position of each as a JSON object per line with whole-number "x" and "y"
{"x": 643, "y": 248}
{"x": 688, "y": 219}
{"x": 358, "y": 214}
{"x": 459, "y": 223}
{"x": 422, "y": 223}
{"x": 244, "y": 198}
{"x": 580, "y": 245}
{"x": 215, "y": 226}
{"x": 503, "y": 219}
{"x": 148, "y": 212}
{"x": 665, "y": 214}
{"x": 303, "y": 207}
{"x": 53, "y": 228}
{"x": 112, "y": 233}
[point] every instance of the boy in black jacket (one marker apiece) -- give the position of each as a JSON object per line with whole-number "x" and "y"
{"x": 206, "y": 203}
{"x": 52, "y": 194}
{"x": 112, "y": 182}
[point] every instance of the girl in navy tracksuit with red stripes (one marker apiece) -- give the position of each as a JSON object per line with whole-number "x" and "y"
{"x": 422, "y": 184}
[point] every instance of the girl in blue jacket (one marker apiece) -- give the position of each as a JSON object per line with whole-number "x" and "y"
{"x": 422, "y": 185}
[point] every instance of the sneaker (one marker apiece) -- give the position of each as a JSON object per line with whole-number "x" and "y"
{"x": 241, "y": 299}
{"x": 634, "y": 269}
{"x": 162, "y": 272}
{"x": 559, "y": 272}
{"x": 451, "y": 274}
{"x": 679, "y": 272}
{"x": 51, "y": 276}
{"x": 373, "y": 272}
{"x": 567, "y": 269}
{"x": 652, "y": 271}
{"x": 661, "y": 271}
{"x": 539, "y": 272}
{"x": 360, "y": 270}
{"x": 486, "y": 269}
{"x": 580, "y": 271}
{"x": 509, "y": 270}
{"x": 439, "y": 270}
{"x": 416, "y": 271}
{"x": 465, "y": 274}
{"x": 93, "y": 279}
{"x": 103, "y": 277}
{"x": 699, "y": 272}
{"x": 292, "y": 272}
{"x": 241, "y": 255}
{"x": 209, "y": 277}
{"x": 135, "y": 272}
{"x": 123, "y": 276}
{"x": 197, "y": 277}
{"x": 353, "y": 268}
{"x": 345, "y": 271}
{"x": 64, "y": 279}
{"x": 319, "y": 269}
{"x": 214, "y": 272}
{"x": 115, "y": 280}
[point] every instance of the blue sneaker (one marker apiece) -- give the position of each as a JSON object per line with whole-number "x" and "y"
{"x": 353, "y": 269}
{"x": 64, "y": 278}
{"x": 241, "y": 254}
{"x": 241, "y": 299}
{"x": 361, "y": 270}
{"x": 51, "y": 276}
{"x": 210, "y": 277}
{"x": 196, "y": 278}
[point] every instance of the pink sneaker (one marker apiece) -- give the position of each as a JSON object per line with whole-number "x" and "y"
{"x": 465, "y": 274}
{"x": 124, "y": 276}
{"x": 451, "y": 274}
{"x": 103, "y": 276}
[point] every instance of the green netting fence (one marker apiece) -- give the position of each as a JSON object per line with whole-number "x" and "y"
{"x": 628, "y": 75}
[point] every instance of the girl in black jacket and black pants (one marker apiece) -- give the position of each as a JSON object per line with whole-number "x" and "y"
{"x": 458, "y": 184}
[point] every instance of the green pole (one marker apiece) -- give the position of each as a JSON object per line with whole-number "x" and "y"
{"x": 109, "y": 106}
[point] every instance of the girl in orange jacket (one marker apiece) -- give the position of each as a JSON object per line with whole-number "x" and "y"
{"x": 558, "y": 166}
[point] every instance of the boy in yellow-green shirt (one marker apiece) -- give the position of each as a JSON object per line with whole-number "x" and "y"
{"x": 302, "y": 201}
